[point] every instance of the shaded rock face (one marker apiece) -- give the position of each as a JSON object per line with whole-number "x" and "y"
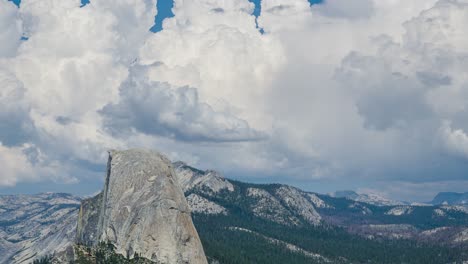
{"x": 142, "y": 210}
{"x": 88, "y": 218}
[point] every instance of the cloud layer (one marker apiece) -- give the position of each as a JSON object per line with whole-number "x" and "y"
{"x": 155, "y": 108}
{"x": 370, "y": 92}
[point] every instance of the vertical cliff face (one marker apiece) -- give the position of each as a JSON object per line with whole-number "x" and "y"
{"x": 88, "y": 218}
{"x": 141, "y": 210}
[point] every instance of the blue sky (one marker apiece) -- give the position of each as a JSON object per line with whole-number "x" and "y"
{"x": 164, "y": 11}
{"x": 258, "y": 9}
{"x": 336, "y": 95}
{"x": 164, "y": 8}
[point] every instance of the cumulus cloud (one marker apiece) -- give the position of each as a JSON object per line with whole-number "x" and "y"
{"x": 10, "y": 29}
{"x": 385, "y": 96}
{"x": 156, "y": 108}
{"x": 370, "y": 106}
{"x": 419, "y": 79}
{"x": 27, "y": 163}
{"x": 16, "y": 126}
{"x": 369, "y": 90}
{"x": 280, "y": 15}
{"x": 456, "y": 140}
{"x": 346, "y": 9}
{"x": 223, "y": 55}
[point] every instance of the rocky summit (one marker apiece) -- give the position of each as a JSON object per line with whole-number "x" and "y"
{"x": 141, "y": 211}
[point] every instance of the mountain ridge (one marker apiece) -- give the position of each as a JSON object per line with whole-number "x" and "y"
{"x": 451, "y": 198}
{"x": 370, "y": 198}
{"x": 261, "y": 218}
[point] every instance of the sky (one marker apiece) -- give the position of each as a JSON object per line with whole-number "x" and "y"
{"x": 368, "y": 95}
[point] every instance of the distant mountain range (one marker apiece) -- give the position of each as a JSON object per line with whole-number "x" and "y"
{"x": 36, "y": 225}
{"x": 442, "y": 198}
{"x": 451, "y": 198}
{"x": 370, "y": 198}
{"x": 240, "y": 222}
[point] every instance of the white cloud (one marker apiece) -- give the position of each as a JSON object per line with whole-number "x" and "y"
{"x": 10, "y": 29}
{"x": 279, "y": 15}
{"x": 358, "y": 91}
{"x": 156, "y": 108}
{"x": 357, "y": 9}
{"x": 15, "y": 166}
{"x": 456, "y": 140}
{"x": 27, "y": 163}
{"x": 16, "y": 126}
{"x": 222, "y": 54}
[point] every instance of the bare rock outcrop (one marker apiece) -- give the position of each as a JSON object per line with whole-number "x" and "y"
{"x": 142, "y": 209}
{"x": 209, "y": 182}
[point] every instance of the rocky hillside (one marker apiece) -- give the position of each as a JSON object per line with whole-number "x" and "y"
{"x": 285, "y": 218}
{"x": 209, "y": 193}
{"x": 142, "y": 212}
{"x": 36, "y": 225}
{"x": 281, "y": 204}
{"x": 373, "y": 199}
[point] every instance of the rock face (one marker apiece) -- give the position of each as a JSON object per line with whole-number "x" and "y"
{"x": 284, "y": 205}
{"x": 297, "y": 201}
{"x": 141, "y": 210}
{"x": 199, "y": 204}
{"x": 88, "y": 218}
{"x": 369, "y": 198}
{"x": 400, "y": 210}
{"x": 209, "y": 182}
